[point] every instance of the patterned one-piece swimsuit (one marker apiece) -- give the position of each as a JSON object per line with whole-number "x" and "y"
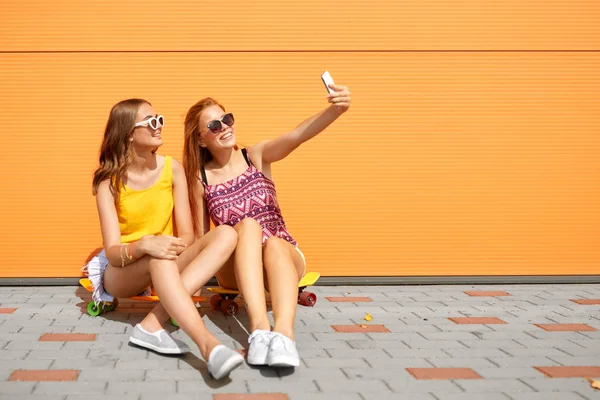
{"x": 251, "y": 195}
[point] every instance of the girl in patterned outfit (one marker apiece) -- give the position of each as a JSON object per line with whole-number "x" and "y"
{"x": 141, "y": 197}
{"x": 234, "y": 187}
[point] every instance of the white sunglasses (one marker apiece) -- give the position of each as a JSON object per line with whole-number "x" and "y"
{"x": 152, "y": 122}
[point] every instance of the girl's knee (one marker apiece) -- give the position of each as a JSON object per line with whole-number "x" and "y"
{"x": 248, "y": 226}
{"x": 227, "y": 236}
{"x": 275, "y": 245}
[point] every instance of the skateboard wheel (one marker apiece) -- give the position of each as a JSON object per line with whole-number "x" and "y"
{"x": 93, "y": 310}
{"x": 229, "y": 307}
{"x": 215, "y": 302}
{"x": 174, "y": 323}
{"x": 307, "y": 299}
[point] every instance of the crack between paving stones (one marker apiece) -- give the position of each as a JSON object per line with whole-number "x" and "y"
{"x": 387, "y": 386}
{"x": 527, "y": 333}
{"x": 430, "y": 363}
{"x": 497, "y": 365}
{"x": 386, "y": 352}
{"x": 582, "y": 396}
{"x": 528, "y": 385}
{"x": 553, "y": 360}
{"x": 567, "y": 353}
{"x": 460, "y": 387}
{"x": 317, "y": 385}
{"x": 506, "y": 352}
{"x": 576, "y": 344}
{"x": 34, "y": 387}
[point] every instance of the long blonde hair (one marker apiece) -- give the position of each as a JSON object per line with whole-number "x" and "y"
{"x": 115, "y": 150}
{"x": 194, "y": 156}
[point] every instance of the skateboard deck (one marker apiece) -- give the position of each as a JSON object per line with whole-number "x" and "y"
{"x": 223, "y": 299}
{"x": 95, "y": 310}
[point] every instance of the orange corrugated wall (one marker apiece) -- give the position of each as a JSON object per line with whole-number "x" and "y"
{"x": 472, "y": 146}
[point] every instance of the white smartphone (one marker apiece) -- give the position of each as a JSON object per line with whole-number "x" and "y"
{"x": 327, "y": 79}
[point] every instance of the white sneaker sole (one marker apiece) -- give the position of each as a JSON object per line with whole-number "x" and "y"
{"x": 157, "y": 349}
{"x": 257, "y": 360}
{"x": 228, "y": 367}
{"x": 284, "y": 361}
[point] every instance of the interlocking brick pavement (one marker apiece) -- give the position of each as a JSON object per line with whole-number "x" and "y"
{"x": 436, "y": 342}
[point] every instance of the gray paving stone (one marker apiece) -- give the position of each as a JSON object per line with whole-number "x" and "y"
{"x": 577, "y": 361}
{"x": 320, "y": 337}
{"x": 91, "y": 346}
{"x": 509, "y": 362}
{"x": 472, "y": 396}
{"x": 274, "y": 386}
{"x": 166, "y": 363}
{"x": 534, "y": 352}
{"x": 335, "y": 362}
{"x": 85, "y": 363}
{"x": 325, "y": 344}
{"x": 580, "y": 351}
{"x": 16, "y": 388}
{"x": 119, "y": 388}
{"x": 547, "y": 396}
{"x": 33, "y": 345}
{"x": 111, "y": 375}
{"x": 410, "y": 385}
{"x": 12, "y": 354}
{"x": 326, "y": 396}
{"x": 56, "y": 354}
{"x": 588, "y": 344}
{"x": 415, "y": 343}
{"x": 26, "y": 364}
{"x": 70, "y": 387}
{"x": 418, "y": 353}
{"x": 541, "y": 343}
{"x": 101, "y": 397}
{"x": 493, "y": 385}
{"x": 178, "y": 396}
{"x": 351, "y": 386}
{"x": 362, "y": 353}
{"x": 399, "y": 363}
{"x": 462, "y": 336}
{"x": 494, "y": 344}
{"x": 34, "y": 397}
{"x": 578, "y": 385}
{"x": 376, "y": 344}
{"x": 461, "y": 362}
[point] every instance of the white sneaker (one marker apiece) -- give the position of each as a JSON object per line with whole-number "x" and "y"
{"x": 259, "y": 347}
{"x": 282, "y": 352}
{"x": 222, "y": 360}
{"x": 159, "y": 341}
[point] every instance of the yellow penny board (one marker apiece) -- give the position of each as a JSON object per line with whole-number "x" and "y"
{"x": 307, "y": 280}
{"x": 87, "y": 285}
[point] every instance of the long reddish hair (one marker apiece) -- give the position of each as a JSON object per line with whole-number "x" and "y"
{"x": 195, "y": 157}
{"x": 115, "y": 151}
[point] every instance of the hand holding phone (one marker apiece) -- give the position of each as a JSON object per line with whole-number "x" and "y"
{"x": 327, "y": 80}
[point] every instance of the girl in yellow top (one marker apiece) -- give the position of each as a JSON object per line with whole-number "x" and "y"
{"x": 141, "y": 197}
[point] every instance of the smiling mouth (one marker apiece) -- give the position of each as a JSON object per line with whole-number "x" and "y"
{"x": 226, "y": 136}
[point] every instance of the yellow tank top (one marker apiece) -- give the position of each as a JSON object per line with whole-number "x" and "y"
{"x": 148, "y": 211}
